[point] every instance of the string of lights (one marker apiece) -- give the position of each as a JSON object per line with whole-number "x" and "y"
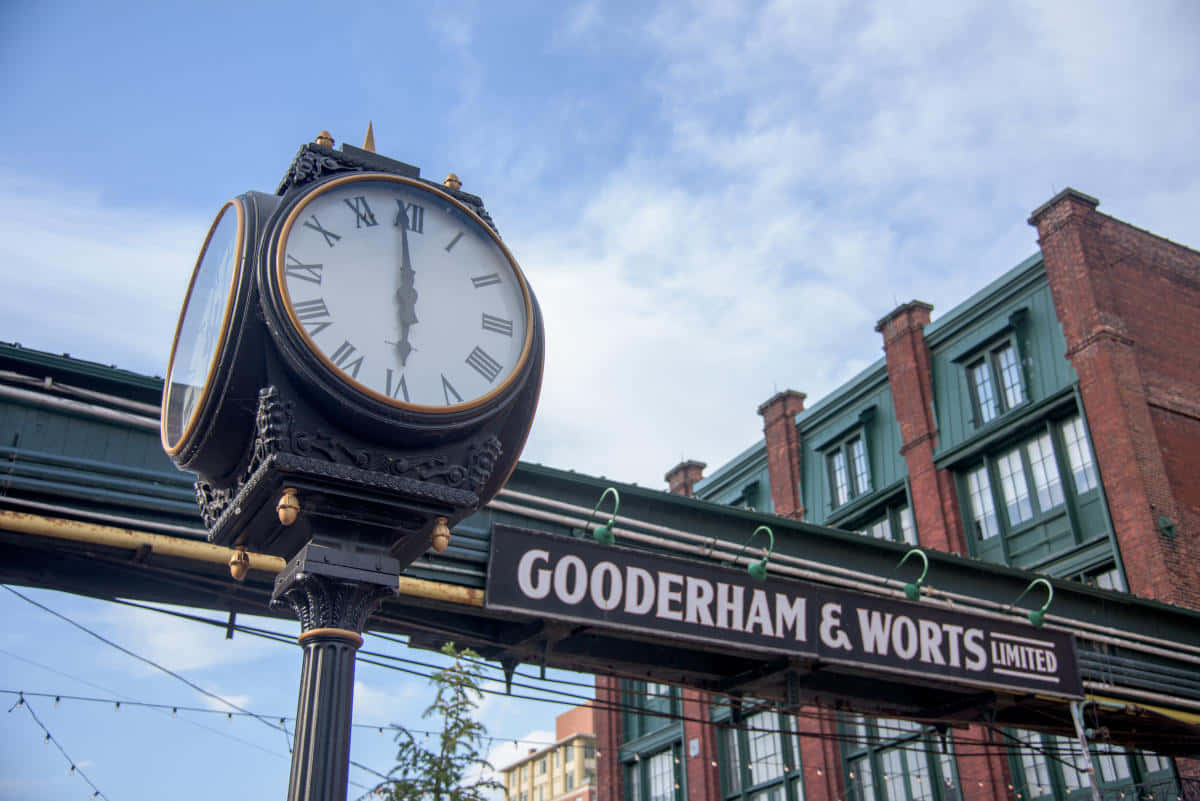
{"x": 965, "y": 744}
{"x": 986, "y": 746}
{"x": 50, "y": 738}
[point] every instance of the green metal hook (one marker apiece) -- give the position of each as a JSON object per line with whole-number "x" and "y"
{"x": 1038, "y": 616}
{"x": 912, "y": 590}
{"x": 758, "y": 570}
{"x": 604, "y": 534}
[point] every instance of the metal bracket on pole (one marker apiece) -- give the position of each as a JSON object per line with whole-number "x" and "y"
{"x": 1085, "y": 764}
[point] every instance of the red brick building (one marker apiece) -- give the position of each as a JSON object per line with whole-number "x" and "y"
{"x": 1050, "y": 422}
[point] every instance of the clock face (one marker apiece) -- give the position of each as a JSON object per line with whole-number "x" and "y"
{"x": 404, "y": 293}
{"x": 203, "y": 326}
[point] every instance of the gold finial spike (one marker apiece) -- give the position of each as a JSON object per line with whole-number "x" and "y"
{"x": 324, "y": 138}
{"x": 369, "y": 139}
{"x": 452, "y": 181}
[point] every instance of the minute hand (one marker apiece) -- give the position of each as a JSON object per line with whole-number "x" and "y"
{"x": 406, "y": 294}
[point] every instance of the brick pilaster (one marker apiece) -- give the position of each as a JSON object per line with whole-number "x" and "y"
{"x": 820, "y": 759}
{"x": 783, "y": 451}
{"x": 934, "y": 499}
{"x": 683, "y": 477}
{"x": 983, "y": 776}
{"x": 703, "y": 776}
{"x": 610, "y": 781}
{"x": 1128, "y": 303}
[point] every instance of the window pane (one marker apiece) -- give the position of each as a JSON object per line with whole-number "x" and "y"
{"x": 662, "y": 777}
{"x": 1010, "y": 375}
{"x": 893, "y": 776}
{"x": 732, "y": 772}
{"x": 862, "y": 477}
{"x": 766, "y": 756}
{"x": 1113, "y": 762}
{"x": 1107, "y": 580}
{"x": 1083, "y": 470}
{"x": 1014, "y": 487}
{"x": 1154, "y": 762}
{"x": 980, "y": 377}
{"x": 862, "y": 784}
{"x": 1034, "y": 764}
{"x": 1045, "y": 472}
{"x": 1068, "y": 755}
{"x": 983, "y": 512}
{"x": 907, "y": 529}
{"x": 920, "y": 784}
{"x": 881, "y": 529}
{"x": 841, "y": 481}
{"x": 633, "y": 783}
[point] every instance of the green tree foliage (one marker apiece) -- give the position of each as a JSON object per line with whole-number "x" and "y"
{"x": 436, "y": 768}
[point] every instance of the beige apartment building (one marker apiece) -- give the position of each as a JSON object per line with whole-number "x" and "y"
{"x": 565, "y": 771}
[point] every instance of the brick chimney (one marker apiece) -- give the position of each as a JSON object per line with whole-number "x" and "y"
{"x": 934, "y": 500}
{"x": 783, "y": 451}
{"x": 683, "y": 476}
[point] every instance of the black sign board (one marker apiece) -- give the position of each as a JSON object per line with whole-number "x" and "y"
{"x": 563, "y": 578}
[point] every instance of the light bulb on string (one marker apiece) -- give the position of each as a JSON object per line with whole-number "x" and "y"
{"x": 174, "y": 711}
{"x": 71, "y": 772}
{"x": 47, "y": 738}
{"x": 57, "y": 698}
{"x": 228, "y": 716}
{"x": 117, "y": 706}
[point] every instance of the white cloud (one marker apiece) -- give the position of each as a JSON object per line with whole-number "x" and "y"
{"x": 397, "y": 701}
{"x": 101, "y": 282}
{"x": 186, "y": 647}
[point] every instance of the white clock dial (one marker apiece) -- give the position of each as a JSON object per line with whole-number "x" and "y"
{"x": 403, "y": 292}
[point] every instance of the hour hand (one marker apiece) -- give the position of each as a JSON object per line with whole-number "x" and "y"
{"x": 406, "y": 293}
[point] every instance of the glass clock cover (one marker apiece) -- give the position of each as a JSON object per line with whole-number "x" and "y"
{"x": 404, "y": 293}
{"x": 203, "y": 324}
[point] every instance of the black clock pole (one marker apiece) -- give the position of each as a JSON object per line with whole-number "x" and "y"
{"x": 333, "y": 592}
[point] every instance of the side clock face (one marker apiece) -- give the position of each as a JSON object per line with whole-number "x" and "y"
{"x": 403, "y": 293}
{"x": 203, "y": 327}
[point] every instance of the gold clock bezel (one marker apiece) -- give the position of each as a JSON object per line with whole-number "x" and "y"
{"x": 185, "y": 436}
{"x": 281, "y": 282}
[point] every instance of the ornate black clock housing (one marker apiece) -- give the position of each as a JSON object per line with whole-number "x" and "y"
{"x": 397, "y": 363}
{"x": 208, "y": 407}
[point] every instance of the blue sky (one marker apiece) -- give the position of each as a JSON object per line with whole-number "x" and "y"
{"x": 713, "y": 201}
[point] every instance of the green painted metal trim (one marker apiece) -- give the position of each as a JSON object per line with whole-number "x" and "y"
{"x": 1008, "y": 425}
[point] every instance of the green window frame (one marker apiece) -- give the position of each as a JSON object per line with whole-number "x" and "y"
{"x": 655, "y": 777}
{"x": 651, "y": 707}
{"x": 848, "y": 469}
{"x": 1045, "y": 768}
{"x": 897, "y": 760}
{"x": 1028, "y": 481}
{"x": 896, "y": 525}
{"x": 760, "y": 759}
{"x": 995, "y": 382}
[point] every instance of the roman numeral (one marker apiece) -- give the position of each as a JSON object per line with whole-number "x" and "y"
{"x": 448, "y": 390}
{"x": 362, "y": 212}
{"x": 454, "y": 241}
{"x": 305, "y": 272}
{"x": 400, "y": 387}
{"x": 497, "y": 324}
{"x": 411, "y": 214}
{"x": 342, "y": 358}
{"x": 330, "y": 236}
{"x": 483, "y": 364}
{"x": 311, "y": 313}
{"x": 485, "y": 280}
